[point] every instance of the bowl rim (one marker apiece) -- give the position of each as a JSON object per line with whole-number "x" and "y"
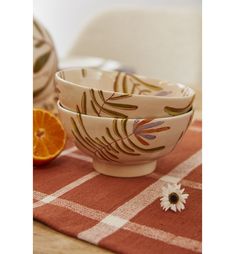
{"x": 61, "y": 107}
{"x": 191, "y": 95}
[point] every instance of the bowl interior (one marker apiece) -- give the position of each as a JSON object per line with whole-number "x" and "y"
{"x": 123, "y": 83}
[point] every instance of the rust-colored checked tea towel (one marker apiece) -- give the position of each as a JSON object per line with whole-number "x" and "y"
{"x": 124, "y": 215}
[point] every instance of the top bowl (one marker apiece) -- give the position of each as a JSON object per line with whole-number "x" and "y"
{"x": 121, "y": 95}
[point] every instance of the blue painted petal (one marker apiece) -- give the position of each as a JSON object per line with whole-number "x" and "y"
{"x": 163, "y": 93}
{"x": 148, "y": 136}
{"x": 151, "y": 125}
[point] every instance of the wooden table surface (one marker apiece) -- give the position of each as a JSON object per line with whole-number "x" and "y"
{"x": 49, "y": 241}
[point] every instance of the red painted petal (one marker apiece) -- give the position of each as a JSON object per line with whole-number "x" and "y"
{"x": 142, "y": 141}
{"x": 156, "y": 130}
{"x": 144, "y": 122}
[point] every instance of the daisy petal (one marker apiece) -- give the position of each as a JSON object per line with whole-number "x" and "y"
{"x": 164, "y": 199}
{"x": 185, "y": 196}
{"x": 173, "y": 208}
{"x": 167, "y": 207}
{"x": 180, "y": 206}
{"x": 183, "y": 201}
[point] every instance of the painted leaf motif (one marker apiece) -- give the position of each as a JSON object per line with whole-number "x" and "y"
{"x": 84, "y": 73}
{"x": 102, "y": 108}
{"x": 94, "y": 108}
{"x": 115, "y": 128}
{"x": 38, "y": 44}
{"x": 83, "y": 102}
{"x": 38, "y": 27}
{"x": 89, "y": 143}
{"x": 41, "y": 61}
{"x": 115, "y": 87}
{"x": 124, "y": 96}
{"x": 124, "y": 84}
{"x": 116, "y": 105}
{"x": 112, "y": 113}
{"x": 122, "y": 106}
{"x": 134, "y": 87}
{"x": 178, "y": 111}
{"x": 151, "y": 86}
{"x": 147, "y": 150}
{"x": 124, "y": 126}
{"x": 40, "y": 90}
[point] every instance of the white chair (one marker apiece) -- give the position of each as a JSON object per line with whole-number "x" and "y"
{"x": 162, "y": 43}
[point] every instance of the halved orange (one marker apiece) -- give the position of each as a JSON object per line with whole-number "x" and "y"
{"x": 48, "y": 136}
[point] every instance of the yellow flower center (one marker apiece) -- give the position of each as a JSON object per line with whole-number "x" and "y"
{"x": 173, "y": 198}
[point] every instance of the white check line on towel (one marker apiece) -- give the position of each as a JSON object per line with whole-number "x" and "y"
{"x": 135, "y": 205}
{"x": 80, "y": 157}
{"x": 164, "y": 236}
{"x": 68, "y": 151}
{"x": 70, "y": 205}
{"x": 115, "y": 222}
{"x": 65, "y": 189}
{"x": 172, "y": 179}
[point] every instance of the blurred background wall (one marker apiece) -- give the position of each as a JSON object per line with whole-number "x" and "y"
{"x": 64, "y": 19}
{"x": 157, "y": 38}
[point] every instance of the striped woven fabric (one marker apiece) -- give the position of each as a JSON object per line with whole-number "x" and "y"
{"x": 124, "y": 215}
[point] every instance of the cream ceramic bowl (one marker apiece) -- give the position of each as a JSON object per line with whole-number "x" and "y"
{"x": 124, "y": 147}
{"x": 120, "y": 95}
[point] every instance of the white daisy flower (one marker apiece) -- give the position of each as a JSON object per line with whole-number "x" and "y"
{"x": 173, "y": 198}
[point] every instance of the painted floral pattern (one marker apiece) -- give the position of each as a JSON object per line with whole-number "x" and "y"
{"x": 117, "y": 139}
{"x": 146, "y": 130}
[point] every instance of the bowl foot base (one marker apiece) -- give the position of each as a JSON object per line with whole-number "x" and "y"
{"x": 124, "y": 170}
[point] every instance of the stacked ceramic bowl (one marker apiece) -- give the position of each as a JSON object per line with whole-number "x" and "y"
{"x": 123, "y": 121}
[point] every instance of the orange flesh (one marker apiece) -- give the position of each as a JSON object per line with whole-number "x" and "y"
{"x": 48, "y": 136}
